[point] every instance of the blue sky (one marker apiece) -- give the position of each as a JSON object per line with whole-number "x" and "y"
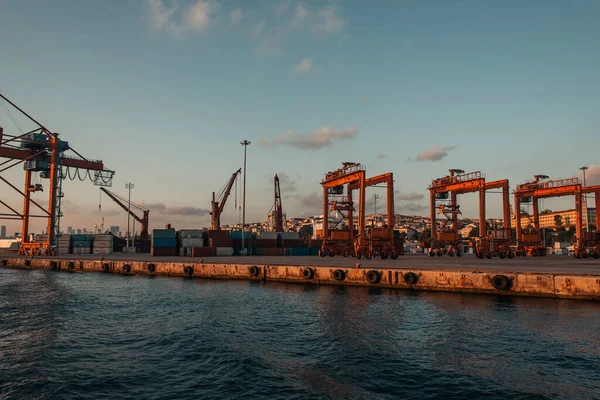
{"x": 164, "y": 91}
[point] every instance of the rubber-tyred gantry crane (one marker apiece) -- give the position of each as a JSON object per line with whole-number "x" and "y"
{"x": 378, "y": 240}
{"x": 445, "y": 191}
{"x": 529, "y": 242}
{"x": 144, "y": 220}
{"x": 333, "y": 184}
{"x": 218, "y": 201}
{"x": 41, "y": 151}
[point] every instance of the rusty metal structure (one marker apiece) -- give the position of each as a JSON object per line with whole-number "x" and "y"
{"x": 529, "y": 242}
{"x": 277, "y": 210}
{"x": 144, "y": 220}
{"x": 42, "y": 152}
{"x": 343, "y": 241}
{"x": 378, "y": 241}
{"x": 218, "y": 201}
{"x": 444, "y": 194}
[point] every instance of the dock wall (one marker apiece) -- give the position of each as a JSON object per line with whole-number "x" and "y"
{"x": 571, "y": 286}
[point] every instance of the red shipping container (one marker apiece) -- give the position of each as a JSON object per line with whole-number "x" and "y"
{"x": 271, "y": 251}
{"x": 221, "y": 242}
{"x": 163, "y": 251}
{"x": 204, "y": 251}
{"x": 294, "y": 243}
{"x": 265, "y": 243}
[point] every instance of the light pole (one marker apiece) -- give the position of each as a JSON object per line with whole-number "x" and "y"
{"x": 585, "y": 210}
{"x": 244, "y": 143}
{"x": 375, "y": 197}
{"x": 129, "y": 186}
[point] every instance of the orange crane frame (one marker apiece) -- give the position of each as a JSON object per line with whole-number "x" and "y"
{"x": 277, "y": 205}
{"x": 49, "y": 148}
{"x": 350, "y": 173}
{"x": 144, "y": 220}
{"x": 217, "y": 207}
{"x": 457, "y": 183}
{"x": 379, "y": 240}
{"x": 541, "y": 188}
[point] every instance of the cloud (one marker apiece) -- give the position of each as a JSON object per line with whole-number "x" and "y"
{"x": 297, "y": 20}
{"x": 162, "y": 208}
{"x": 311, "y": 201}
{"x": 236, "y": 16}
{"x": 303, "y": 66}
{"x": 412, "y": 196}
{"x": 322, "y": 137}
{"x": 434, "y": 153}
{"x": 381, "y": 156}
{"x": 286, "y": 183}
{"x": 412, "y": 208}
{"x": 592, "y": 175}
{"x": 174, "y": 18}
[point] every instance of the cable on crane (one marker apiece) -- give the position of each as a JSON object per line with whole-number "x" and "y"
{"x": 11, "y": 116}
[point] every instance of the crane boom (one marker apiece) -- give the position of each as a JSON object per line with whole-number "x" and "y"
{"x": 278, "y": 207}
{"x": 145, "y": 220}
{"x": 218, "y": 205}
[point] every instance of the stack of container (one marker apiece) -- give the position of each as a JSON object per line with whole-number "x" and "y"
{"x": 188, "y": 239}
{"x": 293, "y": 244}
{"x": 236, "y": 237}
{"x": 221, "y": 242}
{"x": 103, "y": 244}
{"x": 315, "y": 245}
{"x": 266, "y": 240}
{"x": 64, "y": 244}
{"x": 164, "y": 242}
{"x": 82, "y": 244}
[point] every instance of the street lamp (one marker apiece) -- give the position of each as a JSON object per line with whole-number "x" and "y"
{"x": 585, "y": 210}
{"x": 129, "y": 186}
{"x": 244, "y": 143}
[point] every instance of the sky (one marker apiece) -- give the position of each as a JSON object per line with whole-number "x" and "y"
{"x": 164, "y": 91}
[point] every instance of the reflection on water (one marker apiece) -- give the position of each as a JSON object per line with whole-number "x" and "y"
{"x": 94, "y": 335}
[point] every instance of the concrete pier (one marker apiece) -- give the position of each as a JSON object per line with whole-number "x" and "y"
{"x": 559, "y": 277}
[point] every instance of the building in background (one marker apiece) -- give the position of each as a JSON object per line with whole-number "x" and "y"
{"x": 567, "y": 218}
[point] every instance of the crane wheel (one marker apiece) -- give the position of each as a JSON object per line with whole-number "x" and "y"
{"x": 511, "y": 255}
{"x": 331, "y": 253}
{"x": 480, "y": 255}
{"x": 502, "y": 282}
{"x": 585, "y": 254}
{"x": 458, "y": 253}
{"x": 439, "y": 253}
{"x": 373, "y": 276}
{"x": 488, "y": 256}
{"x": 596, "y": 255}
{"x": 345, "y": 253}
{"x": 383, "y": 255}
{"x": 394, "y": 255}
{"x": 358, "y": 255}
{"x": 501, "y": 255}
{"x": 368, "y": 255}
{"x": 450, "y": 253}
{"x": 431, "y": 253}
{"x": 410, "y": 278}
{"x": 321, "y": 253}
{"x": 339, "y": 275}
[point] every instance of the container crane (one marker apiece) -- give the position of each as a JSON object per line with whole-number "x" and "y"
{"x": 277, "y": 210}
{"x": 123, "y": 203}
{"x": 42, "y": 151}
{"x": 218, "y": 201}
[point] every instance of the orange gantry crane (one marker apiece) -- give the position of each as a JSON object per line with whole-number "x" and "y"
{"x": 218, "y": 201}
{"x": 42, "y": 152}
{"x": 529, "y": 241}
{"x": 343, "y": 241}
{"x": 443, "y": 200}
{"x": 124, "y": 203}
{"x": 378, "y": 241}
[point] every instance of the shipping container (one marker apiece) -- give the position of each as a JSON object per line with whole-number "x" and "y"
{"x": 339, "y": 235}
{"x": 204, "y": 251}
{"x": 267, "y": 235}
{"x": 191, "y": 234}
{"x": 273, "y": 252}
{"x": 164, "y": 242}
{"x": 163, "y": 233}
{"x": 224, "y": 251}
{"x": 220, "y": 242}
{"x": 265, "y": 243}
{"x": 192, "y": 242}
{"x": 163, "y": 251}
{"x": 295, "y": 243}
{"x": 289, "y": 235}
{"x": 298, "y": 251}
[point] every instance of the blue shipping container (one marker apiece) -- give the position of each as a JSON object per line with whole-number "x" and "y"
{"x": 164, "y": 233}
{"x": 298, "y": 251}
{"x": 164, "y": 242}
